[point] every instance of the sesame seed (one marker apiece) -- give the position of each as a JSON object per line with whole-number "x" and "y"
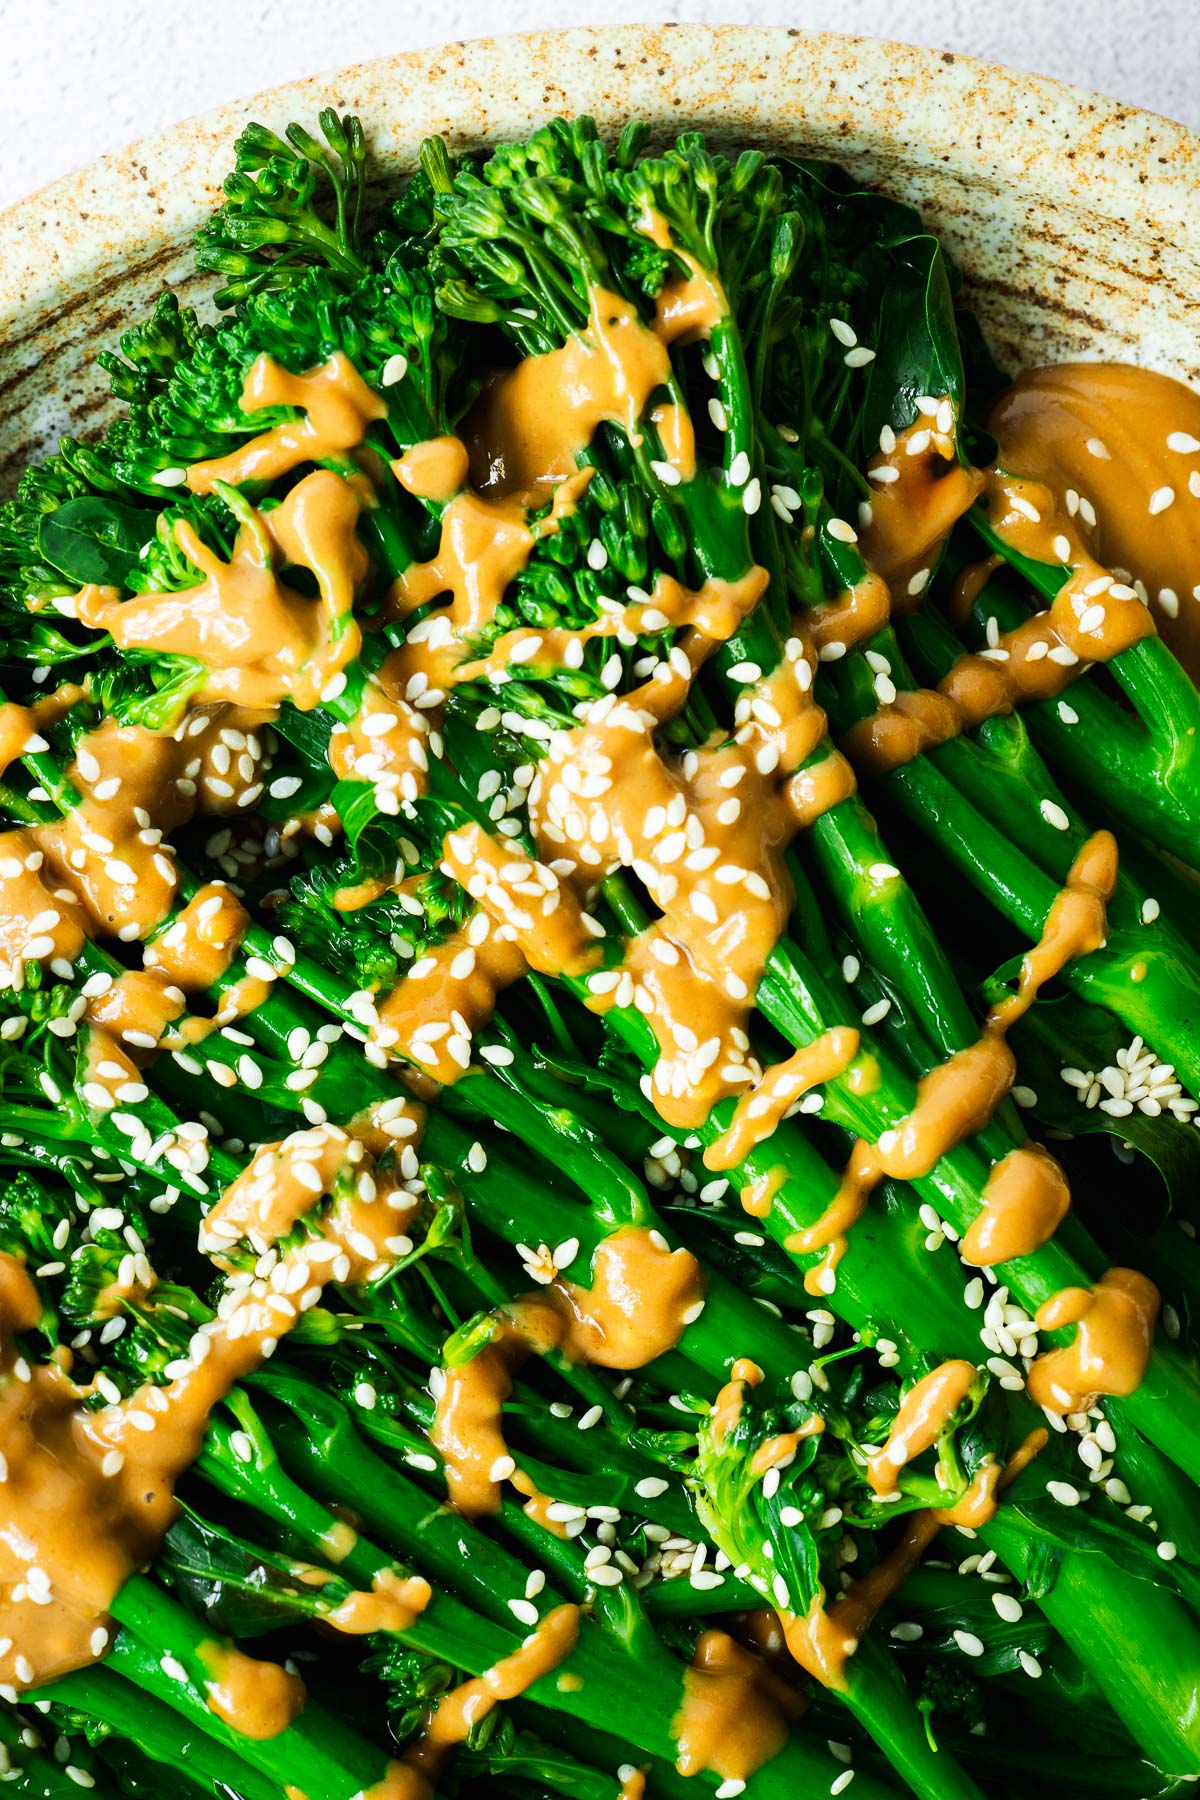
{"x": 907, "y": 1632}
{"x": 1054, "y": 815}
{"x": 1063, "y": 1492}
{"x": 1160, "y": 499}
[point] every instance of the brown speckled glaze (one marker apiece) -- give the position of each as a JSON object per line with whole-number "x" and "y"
{"x": 1072, "y": 216}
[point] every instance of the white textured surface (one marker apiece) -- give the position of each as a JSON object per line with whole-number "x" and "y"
{"x": 81, "y": 77}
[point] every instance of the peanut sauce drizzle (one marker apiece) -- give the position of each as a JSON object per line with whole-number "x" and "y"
{"x": 924, "y": 1414}
{"x": 1026, "y": 1194}
{"x": 337, "y": 406}
{"x": 259, "y": 640}
{"x": 642, "y": 1298}
{"x": 394, "y": 1602}
{"x": 103, "y": 869}
{"x": 736, "y": 1711}
{"x": 457, "y": 1713}
{"x": 255, "y": 1698}
{"x": 823, "y": 1640}
{"x": 707, "y": 834}
{"x": 758, "y": 1112}
{"x": 1114, "y": 1332}
{"x": 532, "y": 421}
{"x": 1038, "y": 513}
{"x": 1119, "y": 447}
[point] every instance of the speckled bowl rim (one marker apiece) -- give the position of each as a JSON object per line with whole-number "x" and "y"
{"x": 76, "y": 257}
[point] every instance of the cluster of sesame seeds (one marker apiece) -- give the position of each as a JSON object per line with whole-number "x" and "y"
{"x": 671, "y": 1556}
{"x": 1136, "y": 1079}
{"x": 544, "y": 1264}
{"x": 390, "y": 742}
{"x": 857, "y": 355}
{"x": 1007, "y": 1332}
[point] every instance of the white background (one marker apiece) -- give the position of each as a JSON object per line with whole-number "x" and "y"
{"x": 80, "y": 77}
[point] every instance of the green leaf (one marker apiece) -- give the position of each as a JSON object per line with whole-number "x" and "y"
{"x": 356, "y": 808}
{"x": 916, "y": 335}
{"x": 95, "y": 540}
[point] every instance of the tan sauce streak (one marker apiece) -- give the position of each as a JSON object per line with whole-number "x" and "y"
{"x": 21, "y": 727}
{"x": 925, "y": 1413}
{"x": 103, "y": 869}
{"x": 337, "y": 405}
{"x": 431, "y": 1016}
{"x": 919, "y": 490}
{"x": 969, "y": 583}
{"x": 458, "y": 1712}
{"x": 532, "y": 421}
{"x": 1091, "y": 619}
{"x": 89, "y": 1493}
{"x": 736, "y": 1711}
{"x": 1107, "y": 439}
{"x": 1114, "y": 1333}
{"x": 260, "y": 641}
{"x": 254, "y": 1698}
{"x": 758, "y": 1112}
{"x": 778, "y": 1452}
{"x": 394, "y": 1603}
{"x": 758, "y": 1196}
{"x": 642, "y": 1298}
{"x": 727, "y": 1407}
{"x": 359, "y": 1234}
{"x": 707, "y": 834}
{"x": 1026, "y": 1193}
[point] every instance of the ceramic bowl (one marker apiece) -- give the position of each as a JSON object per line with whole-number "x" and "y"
{"x": 1070, "y": 214}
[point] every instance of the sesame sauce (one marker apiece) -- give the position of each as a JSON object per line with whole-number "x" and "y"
{"x": 257, "y": 1699}
{"x": 336, "y": 406}
{"x": 1119, "y": 448}
{"x": 824, "y": 1640}
{"x": 1114, "y": 1331}
{"x": 259, "y": 640}
{"x": 924, "y": 1414}
{"x": 394, "y": 1602}
{"x": 642, "y": 1297}
{"x": 736, "y": 1711}
{"x": 457, "y": 1713}
{"x": 1043, "y": 425}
